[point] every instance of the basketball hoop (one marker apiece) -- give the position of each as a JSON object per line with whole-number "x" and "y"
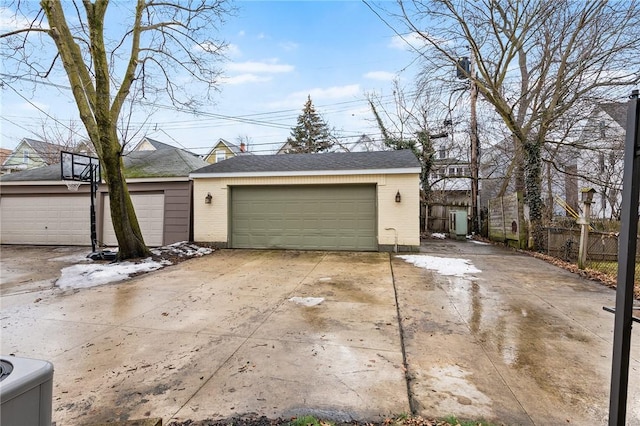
{"x": 72, "y": 185}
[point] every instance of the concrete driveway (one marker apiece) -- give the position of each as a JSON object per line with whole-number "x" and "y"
{"x": 521, "y": 342}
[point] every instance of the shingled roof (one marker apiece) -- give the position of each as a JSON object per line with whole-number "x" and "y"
{"x": 164, "y": 162}
{"x": 172, "y": 162}
{"x": 617, "y": 111}
{"x": 335, "y": 161}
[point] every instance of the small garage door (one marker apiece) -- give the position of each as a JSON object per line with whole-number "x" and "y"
{"x": 333, "y": 217}
{"x": 150, "y": 213}
{"x": 45, "y": 219}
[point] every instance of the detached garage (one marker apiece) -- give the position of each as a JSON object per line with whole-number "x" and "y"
{"x": 364, "y": 201}
{"x": 36, "y": 207}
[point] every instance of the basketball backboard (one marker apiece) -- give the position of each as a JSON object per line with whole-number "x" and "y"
{"x": 79, "y": 167}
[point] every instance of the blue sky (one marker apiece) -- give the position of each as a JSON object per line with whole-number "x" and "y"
{"x": 279, "y": 53}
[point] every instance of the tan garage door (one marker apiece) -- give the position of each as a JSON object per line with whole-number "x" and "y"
{"x": 150, "y": 213}
{"x": 45, "y": 219}
{"x": 323, "y": 217}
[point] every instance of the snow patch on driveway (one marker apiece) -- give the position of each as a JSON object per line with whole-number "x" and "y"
{"x": 442, "y": 265}
{"x": 91, "y": 275}
{"x": 307, "y": 301}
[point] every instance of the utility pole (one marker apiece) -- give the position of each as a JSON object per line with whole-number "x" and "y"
{"x": 475, "y": 149}
{"x": 466, "y": 70}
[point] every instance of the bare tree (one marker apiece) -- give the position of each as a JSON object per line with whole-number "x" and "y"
{"x": 109, "y": 51}
{"x": 411, "y": 121}
{"x": 534, "y": 61}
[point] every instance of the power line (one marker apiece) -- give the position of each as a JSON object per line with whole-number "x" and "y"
{"x": 40, "y": 109}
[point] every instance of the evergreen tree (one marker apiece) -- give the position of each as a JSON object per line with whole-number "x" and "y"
{"x": 311, "y": 134}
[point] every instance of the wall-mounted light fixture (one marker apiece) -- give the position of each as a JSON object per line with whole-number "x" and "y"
{"x": 398, "y": 197}
{"x": 208, "y": 198}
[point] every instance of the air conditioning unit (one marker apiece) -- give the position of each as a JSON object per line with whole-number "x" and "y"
{"x": 26, "y": 391}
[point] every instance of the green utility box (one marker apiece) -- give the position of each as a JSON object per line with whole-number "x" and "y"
{"x": 458, "y": 220}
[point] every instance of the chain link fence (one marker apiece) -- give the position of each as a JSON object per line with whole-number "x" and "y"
{"x": 602, "y": 249}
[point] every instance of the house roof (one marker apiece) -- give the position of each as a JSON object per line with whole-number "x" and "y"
{"x": 617, "y": 111}
{"x": 4, "y": 154}
{"x": 232, "y": 147}
{"x": 172, "y": 162}
{"x": 388, "y": 161}
{"x": 49, "y": 152}
{"x": 156, "y": 144}
{"x": 164, "y": 162}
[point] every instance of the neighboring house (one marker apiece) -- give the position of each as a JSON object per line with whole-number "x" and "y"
{"x": 284, "y": 148}
{"x": 30, "y": 154}
{"x": 450, "y": 183}
{"x": 148, "y": 144}
{"x": 329, "y": 201}
{"x": 364, "y": 143}
{"x": 4, "y": 154}
{"x": 36, "y": 207}
{"x": 223, "y": 150}
{"x": 600, "y": 158}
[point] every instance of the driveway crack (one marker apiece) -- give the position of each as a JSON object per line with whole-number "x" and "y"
{"x": 405, "y": 364}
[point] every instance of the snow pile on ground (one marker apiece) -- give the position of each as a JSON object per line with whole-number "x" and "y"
{"x": 182, "y": 249}
{"x": 442, "y": 265}
{"x": 438, "y": 235}
{"x": 307, "y": 301}
{"x": 480, "y": 243}
{"x": 87, "y": 273}
{"x": 94, "y": 274}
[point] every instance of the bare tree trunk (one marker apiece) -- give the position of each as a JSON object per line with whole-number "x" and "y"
{"x": 125, "y": 223}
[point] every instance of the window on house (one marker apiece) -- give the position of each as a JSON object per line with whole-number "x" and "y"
{"x": 442, "y": 153}
{"x": 220, "y": 155}
{"x": 452, "y": 171}
{"x": 603, "y": 129}
{"x": 25, "y": 156}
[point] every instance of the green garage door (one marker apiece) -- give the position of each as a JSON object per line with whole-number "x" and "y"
{"x": 337, "y": 217}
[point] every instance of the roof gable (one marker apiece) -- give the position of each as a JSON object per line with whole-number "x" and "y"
{"x": 48, "y": 152}
{"x": 233, "y": 148}
{"x": 148, "y": 144}
{"x": 617, "y": 111}
{"x": 326, "y": 162}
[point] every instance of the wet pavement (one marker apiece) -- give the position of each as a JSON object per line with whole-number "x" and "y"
{"x": 521, "y": 342}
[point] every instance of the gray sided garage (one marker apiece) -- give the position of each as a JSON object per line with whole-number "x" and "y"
{"x": 36, "y": 206}
{"x": 362, "y": 201}
{"x": 315, "y": 217}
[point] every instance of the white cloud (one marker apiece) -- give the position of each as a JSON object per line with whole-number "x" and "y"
{"x": 270, "y": 67}
{"x": 289, "y": 46}
{"x": 380, "y": 75}
{"x": 297, "y": 99}
{"x": 233, "y": 50}
{"x": 11, "y": 21}
{"x": 244, "y": 78}
{"x": 336, "y": 92}
{"x": 407, "y": 41}
{"x": 241, "y": 33}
